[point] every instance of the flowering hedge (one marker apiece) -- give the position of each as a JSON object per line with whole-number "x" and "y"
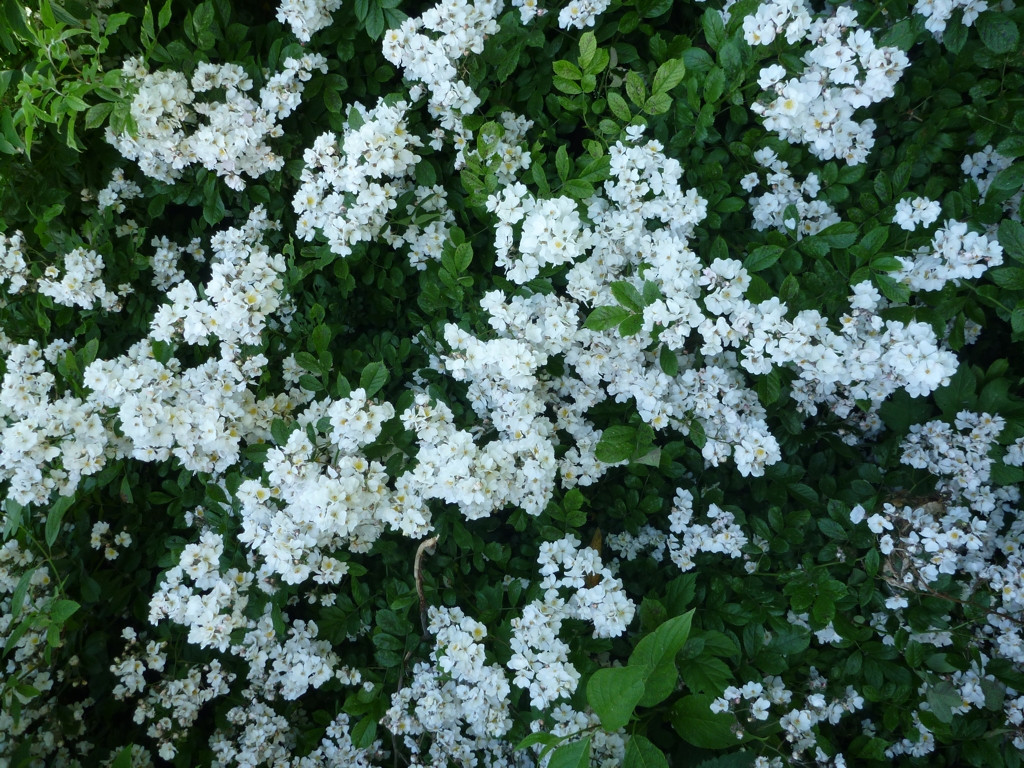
{"x": 625, "y": 382}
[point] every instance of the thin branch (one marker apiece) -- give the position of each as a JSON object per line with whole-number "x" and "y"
{"x": 426, "y": 546}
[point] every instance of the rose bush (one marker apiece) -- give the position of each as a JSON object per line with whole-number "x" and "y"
{"x": 609, "y": 383}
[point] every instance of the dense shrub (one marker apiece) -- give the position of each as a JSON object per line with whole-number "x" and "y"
{"x": 616, "y": 383}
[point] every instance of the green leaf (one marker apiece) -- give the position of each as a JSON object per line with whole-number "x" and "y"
{"x": 900, "y": 35}
{"x": 762, "y": 258}
{"x": 631, "y": 325}
{"x": 364, "y": 732}
{"x": 613, "y": 694}
{"x": 657, "y": 654}
{"x": 603, "y": 318}
{"x": 955, "y": 35}
{"x": 619, "y": 107}
{"x": 874, "y": 240}
{"x": 959, "y": 394}
{"x": 668, "y": 76}
{"x": 769, "y": 387}
{"x": 56, "y": 517}
{"x": 641, "y": 753}
{"x": 658, "y": 104}
{"x": 565, "y": 85}
{"x": 165, "y": 15}
{"x": 1010, "y": 179}
{"x": 541, "y": 737}
{"x": 568, "y": 70}
{"x": 321, "y": 338}
{"x": 941, "y": 699}
{"x": 588, "y": 46}
{"x": 635, "y": 88}
{"x": 18, "y": 596}
{"x": 627, "y": 295}
{"x": 1011, "y": 237}
{"x": 123, "y": 759}
{"x": 843, "y": 234}
{"x": 893, "y": 289}
{"x": 578, "y": 189}
{"x": 563, "y": 163}
{"x": 573, "y": 755}
{"x": 333, "y": 102}
{"x": 62, "y": 610}
{"x": 373, "y": 377}
{"x": 97, "y": 114}
{"x": 668, "y": 361}
{"x": 463, "y": 256}
{"x": 714, "y": 29}
{"x": 693, "y": 719}
{"x": 832, "y": 529}
{"x": 1011, "y": 278}
{"x": 617, "y": 444}
{"x": 998, "y": 32}
{"x": 16, "y": 18}
{"x": 705, "y": 674}
{"x": 714, "y": 85}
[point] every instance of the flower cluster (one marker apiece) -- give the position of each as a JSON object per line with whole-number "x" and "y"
{"x": 81, "y": 284}
{"x": 688, "y": 538}
{"x": 461, "y": 28}
{"x": 982, "y": 167}
{"x": 845, "y": 70}
{"x": 457, "y": 699}
{"x": 40, "y": 431}
{"x": 539, "y": 656}
{"x": 232, "y": 141}
{"x": 552, "y": 233}
{"x": 348, "y": 197}
{"x": 318, "y": 498}
{"x": 938, "y": 12}
{"x": 117, "y": 191}
{"x": 955, "y": 253}
{"x": 920, "y": 210}
{"x": 244, "y": 289}
{"x": 98, "y": 540}
{"x": 257, "y": 735}
{"x": 770, "y": 208}
{"x": 306, "y": 17}
{"x": 12, "y": 261}
{"x": 165, "y": 260}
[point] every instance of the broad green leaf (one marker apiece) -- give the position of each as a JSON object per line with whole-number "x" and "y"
{"x": 588, "y": 46}
{"x": 693, "y": 719}
{"x": 55, "y": 517}
{"x": 657, "y": 654}
{"x": 603, "y": 318}
{"x": 1011, "y": 237}
{"x": 619, "y": 107}
{"x": 641, "y": 753}
{"x": 373, "y": 377}
{"x": 613, "y": 694}
{"x": 627, "y": 295}
{"x": 18, "y": 597}
{"x": 617, "y": 444}
{"x": 763, "y": 257}
{"x": 573, "y": 755}
{"x": 123, "y": 759}
{"x": 998, "y": 32}
{"x": 635, "y": 88}
{"x": 62, "y": 610}
{"x": 668, "y": 76}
